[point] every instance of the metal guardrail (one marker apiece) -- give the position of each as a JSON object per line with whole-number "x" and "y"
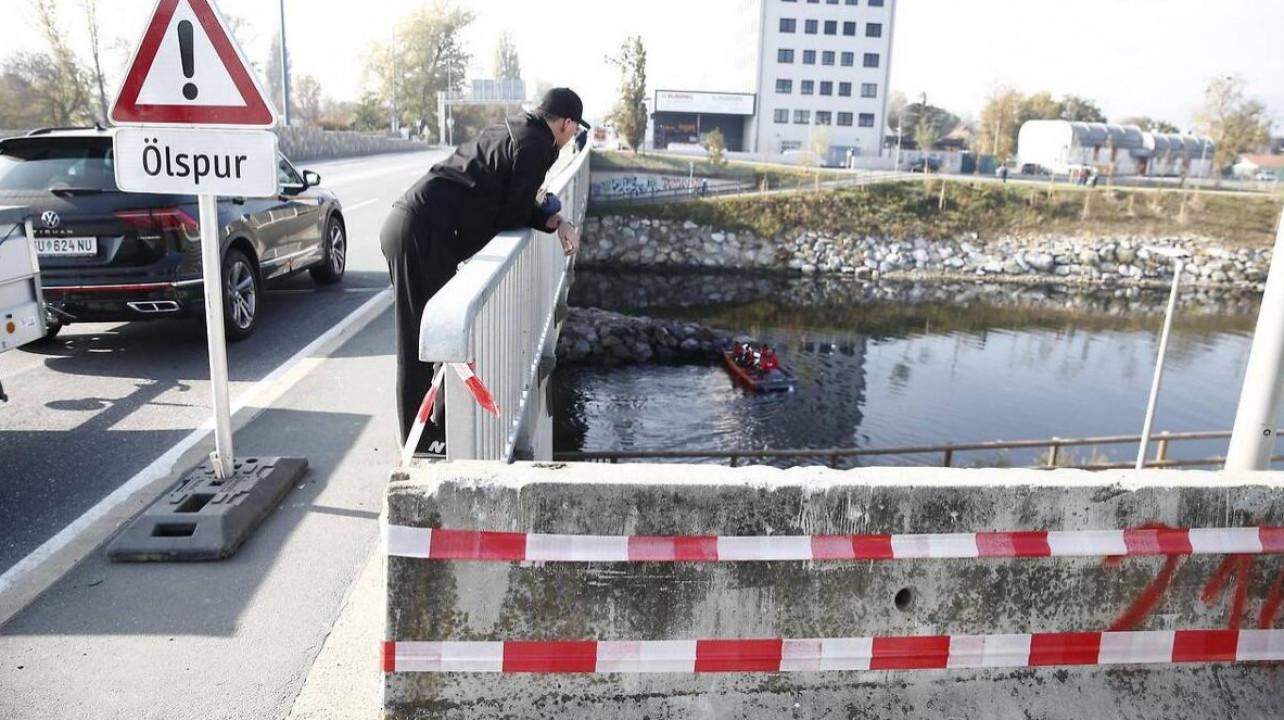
{"x": 1053, "y": 458}
{"x": 501, "y": 312}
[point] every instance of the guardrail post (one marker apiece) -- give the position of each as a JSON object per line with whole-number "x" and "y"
{"x": 949, "y": 457}
{"x": 1161, "y": 451}
{"x": 1054, "y": 454}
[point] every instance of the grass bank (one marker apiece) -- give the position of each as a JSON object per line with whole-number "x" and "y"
{"x": 775, "y": 175}
{"x": 910, "y": 209}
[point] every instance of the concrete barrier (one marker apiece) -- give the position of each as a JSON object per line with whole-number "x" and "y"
{"x": 469, "y": 601}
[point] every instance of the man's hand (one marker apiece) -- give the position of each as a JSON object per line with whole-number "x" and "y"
{"x": 569, "y": 237}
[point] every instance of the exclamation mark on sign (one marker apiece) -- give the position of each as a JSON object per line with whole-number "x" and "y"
{"x": 189, "y": 58}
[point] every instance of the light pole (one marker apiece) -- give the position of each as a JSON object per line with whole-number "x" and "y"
{"x": 285, "y": 69}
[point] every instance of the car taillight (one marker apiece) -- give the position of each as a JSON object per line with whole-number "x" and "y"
{"x": 161, "y": 219}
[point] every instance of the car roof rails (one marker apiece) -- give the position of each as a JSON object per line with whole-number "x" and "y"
{"x": 47, "y": 130}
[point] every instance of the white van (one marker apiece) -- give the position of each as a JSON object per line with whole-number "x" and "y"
{"x": 22, "y": 309}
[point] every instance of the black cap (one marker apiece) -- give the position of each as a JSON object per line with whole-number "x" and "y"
{"x": 564, "y": 103}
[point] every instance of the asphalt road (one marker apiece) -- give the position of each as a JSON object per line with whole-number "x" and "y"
{"x": 91, "y": 410}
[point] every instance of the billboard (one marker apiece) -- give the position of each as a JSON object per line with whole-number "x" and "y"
{"x": 704, "y": 102}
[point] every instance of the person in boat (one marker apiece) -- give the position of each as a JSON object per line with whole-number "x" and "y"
{"x": 737, "y": 352}
{"x": 768, "y": 361}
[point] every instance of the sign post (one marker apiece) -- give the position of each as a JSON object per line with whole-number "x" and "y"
{"x": 194, "y": 121}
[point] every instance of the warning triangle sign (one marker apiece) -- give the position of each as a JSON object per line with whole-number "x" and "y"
{"x": 189, "y": 71}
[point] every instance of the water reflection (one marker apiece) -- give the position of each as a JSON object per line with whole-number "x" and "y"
{"x": 1011, "y": 363}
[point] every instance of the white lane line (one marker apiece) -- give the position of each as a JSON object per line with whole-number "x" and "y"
{"x": 358, "y": 206}
{"x": 261, "y": 394}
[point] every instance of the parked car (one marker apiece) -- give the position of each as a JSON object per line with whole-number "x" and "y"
{"x": 925, "y": 164}
{"x": 1265, "y": 175}
{"x": 108, "y": 255}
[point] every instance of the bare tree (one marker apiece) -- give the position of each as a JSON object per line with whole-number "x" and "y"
{"x": 67, "y": 96}
{"x": 507, "y": 65}
{"x": 307, "y": 100}
{"x": 95, "y": 51}
{"x": 1235, "y": 123}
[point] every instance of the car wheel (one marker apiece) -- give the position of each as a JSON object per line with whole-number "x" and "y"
{"x": 336, "y": 254}
{"x": 240, "y": 295}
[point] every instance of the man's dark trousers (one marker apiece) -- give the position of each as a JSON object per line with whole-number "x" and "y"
{"x": 420, "y": 247}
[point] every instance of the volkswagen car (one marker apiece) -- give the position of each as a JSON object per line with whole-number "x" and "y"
{"x": 109, "y": 256}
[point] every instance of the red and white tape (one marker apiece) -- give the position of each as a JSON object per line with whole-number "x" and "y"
{"x": 443, "y": 544}
{"x": 819, "y": 655}
{"x": 475, "y": 388}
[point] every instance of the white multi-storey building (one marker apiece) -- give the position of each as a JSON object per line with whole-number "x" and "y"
{"x": 823, "y": 67}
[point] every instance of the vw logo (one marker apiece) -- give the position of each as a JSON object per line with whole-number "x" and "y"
{"x": 50, "y": 219}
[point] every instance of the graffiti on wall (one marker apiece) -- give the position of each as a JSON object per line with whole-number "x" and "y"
{"x": 626, "y": 185}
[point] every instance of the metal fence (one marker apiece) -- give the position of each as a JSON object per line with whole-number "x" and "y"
{"x": 501, "y": 313}
{"x": 1052, "y": 452}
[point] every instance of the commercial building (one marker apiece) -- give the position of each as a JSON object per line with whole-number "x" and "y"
{"x": 1061, "y": 146}
{"x": 684, "y": 117}
{"x": 823, "y": 67}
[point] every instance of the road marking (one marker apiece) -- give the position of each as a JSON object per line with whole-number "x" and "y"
{"x": 260, "y": 395}
{"x": 358, "y": 206}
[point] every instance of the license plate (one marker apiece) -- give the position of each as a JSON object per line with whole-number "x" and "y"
{"x": 67, "y": 247}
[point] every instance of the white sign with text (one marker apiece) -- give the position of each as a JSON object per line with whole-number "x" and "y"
{"x": 173, "y": 161}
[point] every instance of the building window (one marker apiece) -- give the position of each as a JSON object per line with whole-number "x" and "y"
{"x": 867, "y": 119}
{"x": 784, "y": 87}
{"x": 876, "y": 3}
{"x": 831, "y": 2}
{"x": 811, "y": 26}
{"x": 831, "y": 27}
{"x": 869, "y": 90}
{"x": 849, "y": 59}
{"x": 844, "y": 89}
{"x": 788, "y": 25}
{"x": 823, "y": 117}
{"x": 851, "y": 2}
{"x": 871, "y": 60}
{"x": 849, "y": 29}
{"x": 809, "y": 57}
{"x": 782, "y": 116}
{"x": 873, "y": 30}
{"x": 808, "y": 86}
{"x": 802, "y": 117}
{"x": 845, "y": 119}
{"x": 826, "y": 87}
{"x": 784, "y": 55}
{"x": 827, "y": 57}
{"x": 813, "y": 2}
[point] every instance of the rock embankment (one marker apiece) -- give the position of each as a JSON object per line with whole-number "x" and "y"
{"x": 621, "y": 241}
{"x": 597, "y": 337}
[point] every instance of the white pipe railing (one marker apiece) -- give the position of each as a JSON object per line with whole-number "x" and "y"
{"x": 501, "y": 311}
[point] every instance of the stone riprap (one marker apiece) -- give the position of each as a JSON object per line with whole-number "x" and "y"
{"x": 596, "y": 337}
{"x": 431, "y": 600}
{"x": 652, "y": 290}
{"x": 623, "y": 241}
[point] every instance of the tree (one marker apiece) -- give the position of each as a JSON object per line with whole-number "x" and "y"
{"x": 926, "y": 133}
{"x": 427, "y": 57}
{"x": 1080, "y": 109}
{"x": 23, "y": 82}
{"x": 896, "y": 104}
{"x": 716, "y": 145}
{"x": 1235, "y": 123}
{"x": 307, "y": 100}
{"x": 1041, "y": 106}
{"x": 507, "y": 64}
{"x": 275, "y": 88}
{"x": 66, "y": 94}
{"x": 1149, "y": 124}
{"x": 630, "y": 113}
{"x": 370, "y": 114}
{"x": 1000, "y": 123}
{"x": 939, "y": 120}
{"x": 95, "y": 51}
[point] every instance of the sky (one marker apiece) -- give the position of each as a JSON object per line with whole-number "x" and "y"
{"x": 1133, "y": 57}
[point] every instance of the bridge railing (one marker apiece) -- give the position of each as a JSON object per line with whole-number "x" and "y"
{"x": 501, "y": 313}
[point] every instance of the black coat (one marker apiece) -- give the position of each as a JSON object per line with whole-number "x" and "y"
{"x": 492, "y": 181}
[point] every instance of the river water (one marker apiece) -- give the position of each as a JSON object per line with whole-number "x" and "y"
{"x": 898, "y": 365}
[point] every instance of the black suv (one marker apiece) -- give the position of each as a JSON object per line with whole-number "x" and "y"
{"x": 108, "y": 255}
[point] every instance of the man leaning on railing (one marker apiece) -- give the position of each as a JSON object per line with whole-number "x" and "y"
{"x": 488, "y": 186}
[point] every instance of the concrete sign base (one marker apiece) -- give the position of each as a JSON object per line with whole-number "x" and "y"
{"x": 204, "y": 518}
